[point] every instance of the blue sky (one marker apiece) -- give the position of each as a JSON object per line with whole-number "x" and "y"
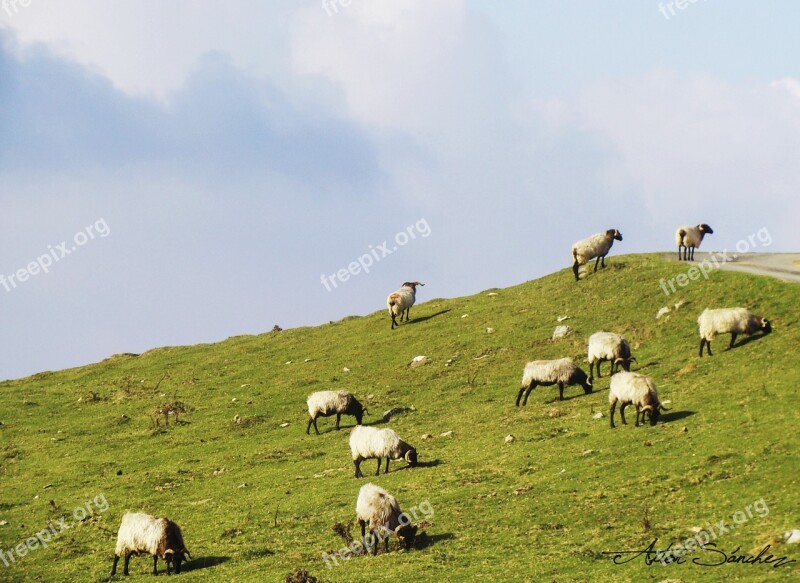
{"x": 236, "y": 152}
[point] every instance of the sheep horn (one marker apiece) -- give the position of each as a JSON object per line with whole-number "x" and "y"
{"x": 365, "y": 411}
{"x": 633, "y": 358}
{"x": 662, "y": 407}
{"x": 169, "y": 552}
{"x": 647, "y": 408}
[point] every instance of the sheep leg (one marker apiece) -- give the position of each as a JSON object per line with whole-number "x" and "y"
{"x": 407, "y": 312}
{"x": 155, "y": 565}
{"x": 638, "y": 413}
{"x": 357, "y": 464}
{"x": 519, "y": 395}
{"x": 575, "y": 269}
{"x": 375, "y": 542}
{"x": 595, "y": 264}
{"x": 733, "y": 339}
{"x": 114, "y": 566}
{"x": 691, "y": 253}
{"x": 386, "y": 542}
{"x": 378, "y": 473}
{"x": 599, "y": 374}
{"x": 560, "y": 391}
{"x": 338, "y": 419}
{"x": 387, "y": 465}
{"x": 622, "y": 412}
{"x": 308, "y": 427}
{"x": 125, "y": 566}
{"x": 394, "y": 322}
{"x": 611, "y": 412}
{"x": 528, "y": 392}
{"x": 603, "y": 262}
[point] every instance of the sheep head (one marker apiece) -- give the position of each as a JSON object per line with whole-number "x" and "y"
{"x": 406, "y": 534}
{"x": 176, "y": 558}
{"x": 705, "y": 229}
{"x": 412, "y": 284}
{"x": 411, "y": 457}
{"x": 766, "y": 327}
{"x": 614, "y": 234}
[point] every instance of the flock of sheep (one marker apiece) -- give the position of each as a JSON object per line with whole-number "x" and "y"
{"x": 143, "y": 534}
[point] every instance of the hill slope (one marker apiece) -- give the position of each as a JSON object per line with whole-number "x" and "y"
{"x": 257, "y": 500}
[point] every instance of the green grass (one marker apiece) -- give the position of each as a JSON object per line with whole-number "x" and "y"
{"x": 257, "y": 500}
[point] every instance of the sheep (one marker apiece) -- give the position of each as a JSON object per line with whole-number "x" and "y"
{"x": 550, "y": 372}
{"x": 370, "y": 442}
{"x": 637, "y": 389}
{"x": 376, "y": 507}
{"x": 689, "y": 238}
{"x": 327, "y": 403}
{"x": 400, "y": 302}
{"x": 595, "y": 246}
{"x": 141, "y": 533}
{"x": 729, "y": 320}
{"x": 608, "y": 346}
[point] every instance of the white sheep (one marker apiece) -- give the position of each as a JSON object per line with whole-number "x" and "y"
{"x": 605, "y": 346}
{"x": 400, "y": 302}
{"x": 733, "y": 321}
{"x": 689, "y": 238}
{"x": 637, "y": 389}
{"x": 327, "y": 403}
{"x": 595, "y": 246}
{"x": 370, "y": 442}
{"x": 379, "y": 509}
{"x": 562, "y": 371}
{"x": 140, "y": 533}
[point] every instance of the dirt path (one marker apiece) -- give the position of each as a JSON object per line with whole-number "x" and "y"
{"x": 783, "y": 266}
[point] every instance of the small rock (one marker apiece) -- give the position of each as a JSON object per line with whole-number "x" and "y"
{"x": 47, "y": 486}
{"x": 510, "y": 438}
{"x": 427, "y": 436}
{"x": 679, "y": 304}
{"x": 242, "y": 485}
{"x": 492, "y": 294}
{"x": 345, "y": 369}
{"x": 447, "y": 433}
{"x": 562, "y": 318}
{"x": 647, "y": 444}
{"x": 237, "y": 419}
{"x": 119, "y": 472}
{"x": 490, "y": 330}
{"x": 307, "y": 360}
{"x": 219, "y": 471}
{"x": 661, "y": 312}
{"x": 285, "y": 424}
{"x": 464, "y": 315}
{"x": 792, "y": 537}
{"x": 684, "y": 429}
{"x": 418, "y": 361}
{"x": 234, "y": 400}
{"x": 598, "y": 415}
{"x": 696, "y": 529}
{"x": 244, "y": 385}
{"x": 562, "y": 471}
{"x": 288, "y": 362}
{"x": 588, "y": 452}
{"x": 3, "y": 522}
{"x": 562, "y": 331}
{"x": 370, "y": 397}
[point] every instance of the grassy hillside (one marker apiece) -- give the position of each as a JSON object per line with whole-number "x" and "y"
{"x": 257, "y": 500}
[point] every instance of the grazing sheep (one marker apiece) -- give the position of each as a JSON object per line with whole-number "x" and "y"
{"x": 550, "y": 372}
{"x": 140, "y": 533}
{"x": 729, "y": 320}
{"x": 376, "y": 507}
{"x": 689, "y": 238}
{"x": 327, "y": 403}
{"x": 369, "y": 442}
{"x": 633, "y": 388}
{"x": 400, "y": 302}
{"x": 605, "y": 346}
{"x": 595, "y": 246}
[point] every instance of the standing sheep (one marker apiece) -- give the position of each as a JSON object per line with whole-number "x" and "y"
{"x": 369, "y": 442}
{"x": 327, "y": 403}
{"x": 729, "y": 320}
{"x": 400, "y": 302}
{"x": 140, "y": 533}
{"x": 379, "y": 509}
{"x": 605, "y": 346}
{"x": 595, "y": 246}
{"x": 633, "y": 388}
{"x": 689, "y": 238}
{"x": 550, "y": 372}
